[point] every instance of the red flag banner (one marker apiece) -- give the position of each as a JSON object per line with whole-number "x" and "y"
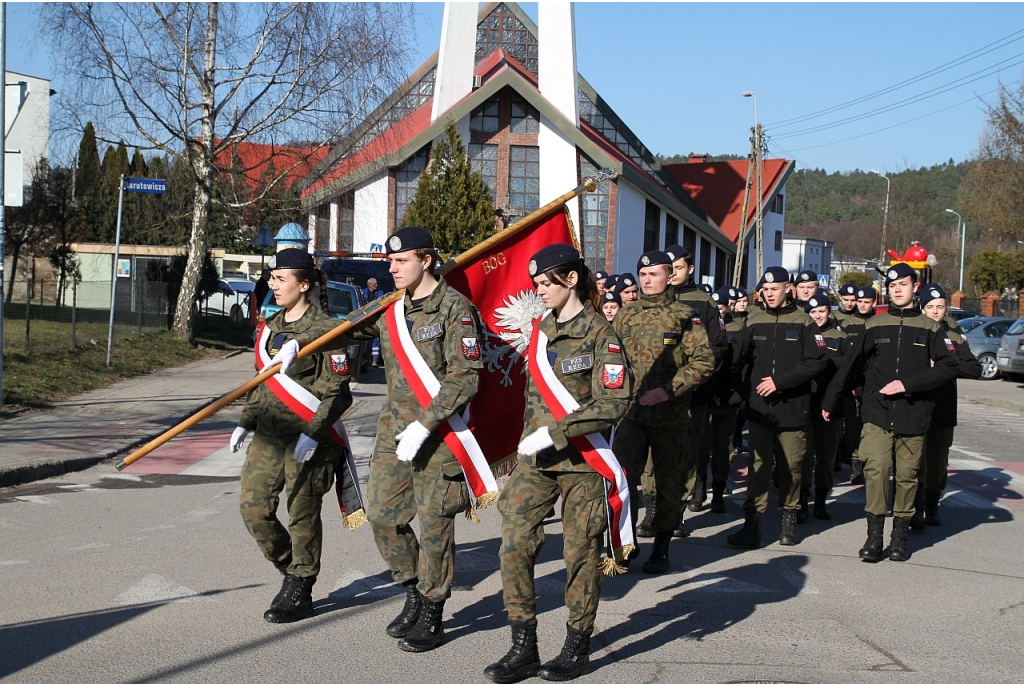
{"x": 499, "y": 284}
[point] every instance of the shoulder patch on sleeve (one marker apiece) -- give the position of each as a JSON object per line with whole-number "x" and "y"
{"x": 613, "y": 376}
{"x": 467, "y": 321}
{"x": 339, "y": 364}
{"x": 614, "y": 348}
{"x": 471, "y": 348}
{"x": 949, "y": 345}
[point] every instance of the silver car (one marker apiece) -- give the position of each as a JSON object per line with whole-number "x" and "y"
{"x": 1010, "y": 358}
{"x": 983, "y": 334}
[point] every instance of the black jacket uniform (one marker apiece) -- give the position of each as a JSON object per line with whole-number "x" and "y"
{"x": 705, "y": 313}
{"x": 900, "y": 344}
{"x": 785, "y": 344}
{"x": 836, "y": 347}
{"x": 945, "y": 395}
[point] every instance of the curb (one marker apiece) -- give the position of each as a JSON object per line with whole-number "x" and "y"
{"x": 997, "y": 402}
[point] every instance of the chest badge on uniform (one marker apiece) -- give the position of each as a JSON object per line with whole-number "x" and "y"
{"x": 577, "y": 364}
{"x": 276, "y": 343}
{"x": 613, "y": 376}
{"x": 614, "y": 348}
{"x": 820, "y": 339}
{"x": 670, "y": 338}
{"x": 471, "y": 349}
{"x": 949, "y": 345}
{"x": 339, "y": 364}
{"x": 428, "y": 332}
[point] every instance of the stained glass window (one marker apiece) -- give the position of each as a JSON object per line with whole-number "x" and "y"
{"x": 502, "y": 29}
{"x": 407, "y": 178}
{"x": 594, "y": 219}
{"x": 484, "y": 158}
{"x": 524, "y": 177}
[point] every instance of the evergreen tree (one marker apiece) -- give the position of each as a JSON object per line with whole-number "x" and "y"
{"x": 88, "y": 171}
{"x": 87, "y": 191}
{"x": 452, "y": 200}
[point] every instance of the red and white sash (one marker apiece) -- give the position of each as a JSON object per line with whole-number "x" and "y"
{"x": 425, "y": 386}
{"x": 593, "y": 447}
{"x": 305, "y": 404}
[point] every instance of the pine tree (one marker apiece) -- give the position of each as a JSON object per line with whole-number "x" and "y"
{"x": 452, "y": 200}
{"x": 88, "y": 172}
{"x": 88, "y": 182}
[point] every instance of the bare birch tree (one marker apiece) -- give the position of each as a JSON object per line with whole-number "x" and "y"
{"x": 191, "y": 80}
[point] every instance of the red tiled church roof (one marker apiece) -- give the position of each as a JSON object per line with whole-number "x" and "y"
{"x": 253, "y": 160}
{"x": 718, "y": 188}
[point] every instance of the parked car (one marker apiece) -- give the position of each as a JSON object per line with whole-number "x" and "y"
{"x": 231, "y": 298}
{"x": 342, "y": 298}
{"x": 1010, "y": 358}
{"x": 357, "y": 271}
{"x": 983, "y": 334}
{"x": 958, "y": 314}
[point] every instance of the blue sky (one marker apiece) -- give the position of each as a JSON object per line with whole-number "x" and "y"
{"x": 675, "y": 72}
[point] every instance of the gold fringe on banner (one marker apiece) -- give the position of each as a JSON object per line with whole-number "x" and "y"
{"x": 354, "y": 520}
{"x": 487, "y": 499}
{"x": 471, "y": 514}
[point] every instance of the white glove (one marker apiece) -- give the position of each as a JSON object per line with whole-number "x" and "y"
{"x": 237, "y": 438}
{"x": 286, "y": 355}
{"x": 304, "y": 448}
{"x": 410, "y": 440}
{"x": 536, "y": 441}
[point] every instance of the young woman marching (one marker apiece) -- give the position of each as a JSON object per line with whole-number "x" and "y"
{"x": 299, "y": 440}
{"x": 578, "y": 386}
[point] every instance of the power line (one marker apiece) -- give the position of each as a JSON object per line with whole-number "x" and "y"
{"x": 926, "y": 95}
{"x": 886, "y": 128}
{"x": 984, "y": 50}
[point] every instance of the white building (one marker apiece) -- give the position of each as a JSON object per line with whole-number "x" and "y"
{"x": 533, "y": 126}
{"x": 802, "y": 254}
{"x": 27, "y": 119}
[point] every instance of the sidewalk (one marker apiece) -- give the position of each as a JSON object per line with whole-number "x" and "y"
{"x": 85, "y": 430}
{"x": 1003, "y": 393}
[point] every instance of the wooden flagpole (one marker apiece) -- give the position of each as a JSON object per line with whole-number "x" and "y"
{"x": 362, "y": 315}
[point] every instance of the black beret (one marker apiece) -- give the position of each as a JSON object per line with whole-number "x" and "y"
{"x": 552, "y": 256}
{"x": 898, "y": 271}
{"x": 818, "y": 299}
{"x": 677, "y": 252}
{"x": 291, "y": 258}
{"x": 706, "y": 288}
{"x": 609, "y": 296}
{"x": 775, "y": 274}
{"x": 806, "y": 276}
{"x": 625, "y": 281}
{"x": 409, "y": 238}
{"x": 741, "y": 293}
{"x": 653, "y": 258}
{"x": 867, "y": 293}
{"x": 847, "y": 290}
{"x": 599, "y": 274}
{"x": 724, "y": 294}
{"x": 932, "y": 291}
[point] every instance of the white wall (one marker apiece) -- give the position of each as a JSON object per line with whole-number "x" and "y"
{"x": 30, "y": 132}
{"x": 370, "y": 215}
{"x": 557, "y": 168}
{"x": 629, "y": 227}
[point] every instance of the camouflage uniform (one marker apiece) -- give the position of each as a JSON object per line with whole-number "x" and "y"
{"x": 432, "y": 486}
{"x": 664, "y": 350}
{"x": 580, "y": 352}
{"x": 269, "y": 466}
{"x": 723, "y": 414}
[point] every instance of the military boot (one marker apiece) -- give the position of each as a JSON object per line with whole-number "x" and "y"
{"x": 698, "y": 496}
{"x": 820, "y": 510}
{"x": 573, "y": 661}
{"x": 428, "y": 633}
{"x": 718, "y": 498}
{"x": 872, "y": 549}
{"x": 788, "y": 535}
{"x": 680, "y": 530}
{"x": 295, "y": 603}
{"x": 898, "y": 548}
{"x": 856, "y": 472}
{"x": 917, "y": 520}
{"x": 405, "y": 620}
{"x": 646, "y": 527}
{"x": 931, "y": 508}
{"x": 750, "y": 534}
{"x": 522, "y": 661}
{"x": 658, "y": 563}
{"x": 803, "y": 513}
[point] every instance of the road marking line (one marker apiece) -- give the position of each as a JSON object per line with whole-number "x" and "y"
{"x": 154, "y": 588}
{"x": 34, "y": 499}
{"x": 969, "y": 453}
{"x": 12, "y": 562}
{"x": 91, "y": 545}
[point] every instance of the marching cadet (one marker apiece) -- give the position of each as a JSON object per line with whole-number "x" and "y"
{"x": 414, "y": 471}
{"x": 783, "y": 350}
{"x": 578, "y": 386}
{"x": 289, "y": 450}
{"x": 611, "y": 303}
{"x": 725, "y": 403}
{"x": 626, "y": 287}
{"x": 740, "y": 311}
{"x": 806, "y": 285}
{"x": 904, "y": 356}
{"x": 600, "y": 276}
{"x": 864, "y": 309}
{"x": 739, "y": 317}
{"x": 934, "y": 466}
{"x": 847, "y": 304}
{"x": 670, "y": 358}
{"x": 824, "y": 438}
{"x": 705, "y": 313}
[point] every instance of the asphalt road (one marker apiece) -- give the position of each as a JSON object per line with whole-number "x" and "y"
{"x": 150, "y": 576}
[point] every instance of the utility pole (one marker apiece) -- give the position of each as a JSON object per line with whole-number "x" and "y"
{"x": 3, "y": 154}
{"x": 755, "y": 163}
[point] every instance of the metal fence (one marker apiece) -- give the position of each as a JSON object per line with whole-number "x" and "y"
{"x": 1007, "y": 308}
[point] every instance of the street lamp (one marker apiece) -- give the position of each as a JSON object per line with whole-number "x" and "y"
{"x": 885, "y": 219}
{"x": 751, "y": 94}
{"x": 963, "y": 235}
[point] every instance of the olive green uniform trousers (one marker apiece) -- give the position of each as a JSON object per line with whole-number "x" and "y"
{"x": 766, "y": 442}
{"x": 878, "y": 448}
